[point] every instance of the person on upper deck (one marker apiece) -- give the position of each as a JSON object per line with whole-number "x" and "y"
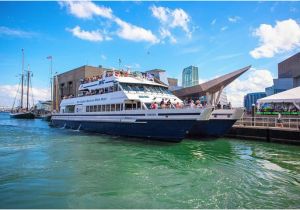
{"x": 162, "y": 104}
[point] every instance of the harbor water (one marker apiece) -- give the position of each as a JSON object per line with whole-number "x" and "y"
{"x": 44, "y": 167}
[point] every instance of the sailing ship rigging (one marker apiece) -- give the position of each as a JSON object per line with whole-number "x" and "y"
{"x": 22, "y": 112}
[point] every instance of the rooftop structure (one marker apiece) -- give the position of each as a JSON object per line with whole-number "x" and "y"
{"x": 288, "y": 75}
{"x": 212, "y": 89}
{"x": 290, "y": 68}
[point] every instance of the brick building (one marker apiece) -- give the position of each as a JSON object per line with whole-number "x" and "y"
{"x": 67, "y": 83}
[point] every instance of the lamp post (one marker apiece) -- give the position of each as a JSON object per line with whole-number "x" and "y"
{"x": 252, "y": 113}
{"x": 51, "y": 98}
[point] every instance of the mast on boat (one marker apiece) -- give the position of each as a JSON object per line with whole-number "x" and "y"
{"x": 28, "y": 82}
{"x": 22, "y": 85}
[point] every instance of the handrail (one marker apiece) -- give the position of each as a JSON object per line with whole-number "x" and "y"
{"x": 272, "y": 122}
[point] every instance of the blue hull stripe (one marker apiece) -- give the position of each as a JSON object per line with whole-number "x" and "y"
{"x": 160, "y": 114}
{"x": 212, "y": 127}
{"x": 163, "y": 130}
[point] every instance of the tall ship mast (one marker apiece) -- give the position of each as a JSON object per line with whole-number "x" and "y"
{"x": 21, "y": 112}
{"x": 128, "y": 104}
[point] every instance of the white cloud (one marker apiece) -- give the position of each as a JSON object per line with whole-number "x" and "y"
{"x": 86, "y": 9}
{"x": 15, "y": 32}
{"x": 255, "y": 81}
{"x": 180, "y": 19}
{"x": 170, "y": 19}
{"x": 9, "y": 92}
{"x": 103, "y": 57}
{"x": 224, "y": 28}
{"x": 94, "y": 36}
{"x": 134, "y": 33}
{"x": 166, "y": 33}
{"x": 213, "y": 22}
{"x": 283, "y": 37}
{"x": 234, "y": 19}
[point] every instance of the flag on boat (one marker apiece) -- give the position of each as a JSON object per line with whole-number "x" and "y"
{"x": 49, "y": 57}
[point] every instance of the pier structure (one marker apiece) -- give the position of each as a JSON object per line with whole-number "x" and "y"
{"x": 270, "y": 129}
{"x": 212, "y": 89}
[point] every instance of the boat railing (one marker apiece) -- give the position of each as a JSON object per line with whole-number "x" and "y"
{"x": 273, "y": 122}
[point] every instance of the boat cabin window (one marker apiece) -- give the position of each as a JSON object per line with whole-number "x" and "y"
{"x": 109, "y": 107}
{"x": 132, "y": 105}
{"x": 70, "y": 109}
{"x": 145, "y": 88}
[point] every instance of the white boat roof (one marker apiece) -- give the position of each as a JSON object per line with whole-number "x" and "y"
{"x": 137, "y": 80}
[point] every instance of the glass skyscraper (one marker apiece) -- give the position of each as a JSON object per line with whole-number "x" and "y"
{"x": 190, "y": 76}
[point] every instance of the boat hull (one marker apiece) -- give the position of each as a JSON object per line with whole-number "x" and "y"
{"x": 46, "y": 117}
{"x": 218, "y": 125}
{"x": 163, "y": 130}
{"x": 22, "y": 115}
{"x": 211, "y": 128}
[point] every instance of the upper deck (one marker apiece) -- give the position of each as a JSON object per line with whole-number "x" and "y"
{"x": 111, "y": 77}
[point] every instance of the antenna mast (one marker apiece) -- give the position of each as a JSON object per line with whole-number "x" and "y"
{"x": 22, "y": 76}
{"x": 28, "y": 80}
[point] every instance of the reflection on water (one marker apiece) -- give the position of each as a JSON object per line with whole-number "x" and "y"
{"x": 42, "y": 167}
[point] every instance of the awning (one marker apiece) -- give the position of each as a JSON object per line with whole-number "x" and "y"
{"x": 289, "y": 96}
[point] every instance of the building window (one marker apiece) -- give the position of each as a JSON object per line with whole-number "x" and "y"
{"x": 62, "y": 89}
{"x": 70, "y": 87}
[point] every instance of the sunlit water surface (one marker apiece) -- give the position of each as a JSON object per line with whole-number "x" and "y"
{"x": 44, "y": 167}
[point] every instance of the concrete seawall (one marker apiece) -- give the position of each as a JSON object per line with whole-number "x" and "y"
{"x": 280, "y": 135}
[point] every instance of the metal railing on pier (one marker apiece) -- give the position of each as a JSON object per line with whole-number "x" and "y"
{"x": 273, "y": 122}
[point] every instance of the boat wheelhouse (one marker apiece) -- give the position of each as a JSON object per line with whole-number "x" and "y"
{"x": 128, "y": 104}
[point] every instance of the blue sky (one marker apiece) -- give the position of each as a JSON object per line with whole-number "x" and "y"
{"x": 218, "y": 37}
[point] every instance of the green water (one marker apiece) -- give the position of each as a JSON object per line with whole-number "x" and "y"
{"x": 42, "y": 167}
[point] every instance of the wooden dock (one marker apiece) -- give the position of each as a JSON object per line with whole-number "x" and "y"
{"x": 263, "y": 133}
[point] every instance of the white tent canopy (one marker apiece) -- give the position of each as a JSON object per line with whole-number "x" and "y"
{"x": 289, "y": 96}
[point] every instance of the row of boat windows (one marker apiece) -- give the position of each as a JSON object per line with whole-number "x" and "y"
{"x": 127, "y": 87}
{"x": 109, "y": 89}
{"x": 144, "y": 88}
{"x": 112, "y": 107}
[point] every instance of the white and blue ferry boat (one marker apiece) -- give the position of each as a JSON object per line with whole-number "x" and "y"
{"x": 128, "y": 104}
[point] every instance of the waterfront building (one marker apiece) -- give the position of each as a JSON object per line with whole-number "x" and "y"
{"x": 67, "y": 83}
{"x": 288, "y": 75}
{"x": 251, "y": 98}
{"x": 190, "y": 76}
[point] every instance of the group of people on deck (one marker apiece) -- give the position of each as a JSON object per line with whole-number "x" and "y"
{"x": 120, "y": 73}
{"x": 166, "y": 104}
